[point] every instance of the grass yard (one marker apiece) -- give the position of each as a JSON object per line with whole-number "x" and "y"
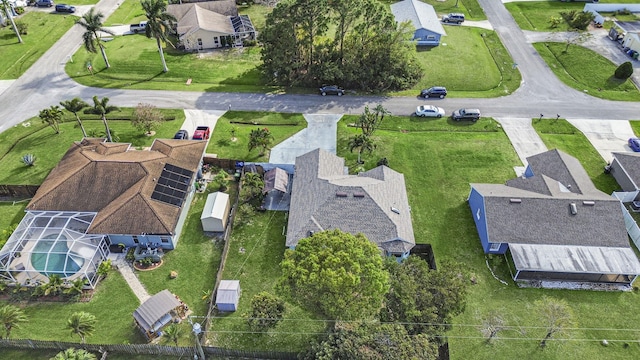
{"x": 255, "y": 252}
{"x": 594, "y": 76}
{"x": 281, "y": 125}
{"x": 470, "y": 8}
{"x": 535, "y": 15}
{"x": 456, "y": 65}
{"x": 129, "y": 12}
{"x": 49, "y": 147}
{"x": 563, "y": 136}
{"x": 43, "y": 31}
{"x": 11, "y": 214}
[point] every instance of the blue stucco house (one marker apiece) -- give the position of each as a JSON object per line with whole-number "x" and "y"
{"x": 554, "y": 225}
{"x": 423, "y": 18}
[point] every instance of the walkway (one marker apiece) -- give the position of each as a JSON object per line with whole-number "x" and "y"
{"x": 321, "y": 132}
{"x": 118, "y": 260}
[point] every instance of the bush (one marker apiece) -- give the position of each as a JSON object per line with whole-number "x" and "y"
{"x": 22, "y": 27}
{"x": 29, "y": 159}
{"x": 19, "y": 10}
{"x": 624, "y": 71}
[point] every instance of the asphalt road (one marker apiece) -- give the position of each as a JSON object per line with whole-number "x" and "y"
{"x": 46, "y": 83}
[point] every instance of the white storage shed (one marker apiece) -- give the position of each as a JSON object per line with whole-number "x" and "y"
{"x": 228, "y": 295}
{"x": 216, "y": 212}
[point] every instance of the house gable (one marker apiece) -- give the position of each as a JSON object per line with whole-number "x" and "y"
{"x": 422, "y": 17}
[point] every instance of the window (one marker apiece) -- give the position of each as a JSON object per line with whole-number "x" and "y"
{"x": 495, "y": 246}
{"x": 216, "y": 40}
{"x": 135, "y": 239}
{"x": 431, "y": 37}
{"x": 164, "y": 239}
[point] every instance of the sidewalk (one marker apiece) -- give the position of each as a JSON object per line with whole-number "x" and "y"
{"x": 118, "y": 260}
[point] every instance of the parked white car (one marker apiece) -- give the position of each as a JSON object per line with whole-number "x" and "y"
{"x": 430, "y": 111}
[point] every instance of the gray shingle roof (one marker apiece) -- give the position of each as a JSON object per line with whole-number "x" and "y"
{"x": 631, "y": 164}
{"x": 421, "y": 15}
{"x": 374, "y": 203}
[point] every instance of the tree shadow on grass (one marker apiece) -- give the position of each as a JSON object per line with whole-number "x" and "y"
{"x": 614, "y": 83}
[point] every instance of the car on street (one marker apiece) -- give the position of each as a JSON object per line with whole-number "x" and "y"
{"x": 634, "y": 144}
{"x": 455, "y": 18}
{"x": 434, "y": 91}
{"x": 201, "y": 133}
{"x": 429, "y": 111}
{"x": 466, "y": 114}
{"x": 331, "y": 90}
{"x": 42, "y": 3}
{"x": 65, "y": 8}
{"x": 181, "y": 135}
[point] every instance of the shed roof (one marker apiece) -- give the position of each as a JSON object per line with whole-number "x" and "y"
{"x": 420, "y": 14}
{"x": 228, "y": 292}
{"x": 630, "y": 162}
{"x": 155, "y": 308}
{"x": 215, "y": 205}
{"x": 575, "y": 259}
{"x": 276, "y": 179}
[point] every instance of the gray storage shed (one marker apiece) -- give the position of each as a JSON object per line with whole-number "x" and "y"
{"x": 228, "y": 295}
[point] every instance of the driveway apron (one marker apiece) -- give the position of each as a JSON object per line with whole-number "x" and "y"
{"x": 523, "y": 137}
{"x": 321, "y": 132}
{"x": 606, "y": 136}
{"x": 195, "y": 118}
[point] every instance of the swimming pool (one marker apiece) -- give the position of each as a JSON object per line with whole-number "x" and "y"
{"x": 51, "y": 256}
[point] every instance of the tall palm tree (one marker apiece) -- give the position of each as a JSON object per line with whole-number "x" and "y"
{"x": 362, "y": 143}
{"x": 7, "y": 10}
{"x": 11, "y": 316}
{"x": 82, "y": 324}
{"x": 74, "y": 106}
{"x": 160, "y": 24}
{"x": 92, "y": 22}
{"x": 74, "y": 354}
{"x": 52, "y": 117}
{"x": 101, "y": 107}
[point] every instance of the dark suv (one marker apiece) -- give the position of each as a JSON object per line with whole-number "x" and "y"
{"x": 434, "y": 91}
{"x": 456, "y": 18}
{"x": 182, "y": 135}
{"x": 65, "y": 8}
{"x": 331, "y": 90}
{"x": 466, "y": 114}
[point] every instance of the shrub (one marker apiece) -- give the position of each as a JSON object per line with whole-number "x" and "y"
{"x": 19, "y": 10}
{"x": 624, "y": 71}
{"x": 22, "y": 27}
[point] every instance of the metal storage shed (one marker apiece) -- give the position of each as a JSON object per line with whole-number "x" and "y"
{"x": 216, "y": 212}
{"x": 228, "y": 295}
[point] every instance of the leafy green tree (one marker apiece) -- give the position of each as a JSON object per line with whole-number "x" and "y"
{"x": 92, "y": 22}
{"x": 266, "y": 311}
{"x": 371, "y": 341}
{"x": 104, "y": 268}
{"x": 363, "y": 143}
{"x": 159, "y": 24}
{"x": 52, "y": 117}
{"x": 424, "y": 300}
{"x": 556, "y": 315}
{"x": 335, "y": 274}
{"x": 260, "y": 138}
{"x": 4, "y": 4}
{"x": 492, "y": 325}
{"x": 624, "y": 71}
{"x": 369, "y": 121}
{"x": 282, "y": 62}
{"x": 82, "y": 324}
{"x": 172, "y": 333}
{"x": 222, "y": 180}
{"x": 252, "y": 185}
{"x": 74, "y": 106}
{"x": 147, "y": 117}
{"x": 346, "y": 13}
{"x": 101, "y": 107}
{"x": 11, "y": 317}
{"x": 74, "y": 354}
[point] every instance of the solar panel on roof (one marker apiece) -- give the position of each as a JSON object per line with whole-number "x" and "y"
{"x": 173, "y": 185}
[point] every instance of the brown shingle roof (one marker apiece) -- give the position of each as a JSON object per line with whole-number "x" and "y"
{"x": 117, "y": 182}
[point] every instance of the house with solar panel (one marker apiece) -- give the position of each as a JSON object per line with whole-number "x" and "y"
{"x": 324, "y": 196}
{"x": 99, "y": 194}
{"x": 555, "y": 226}
{"x": 423, "y": 18}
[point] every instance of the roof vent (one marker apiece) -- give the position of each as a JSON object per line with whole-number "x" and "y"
{"x": 360, "y": 195}
{"x": 573, "y": 208}
{"x": 395, "y": 210}
{"x": 341, "y": 194}
{"x": 311, "y": 232}
{"x": 588, "y": 203}
{"x": 515, "y": 201}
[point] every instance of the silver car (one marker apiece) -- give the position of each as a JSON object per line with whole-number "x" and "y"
{"x": 430, "y": 111}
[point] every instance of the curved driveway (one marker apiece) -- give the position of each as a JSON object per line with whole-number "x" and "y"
{"x": 46, "y": 83}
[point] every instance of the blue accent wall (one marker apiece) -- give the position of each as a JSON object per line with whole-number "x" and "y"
{"x": 426, "y": 37}
{"x": 476, "y": 203}
{"x": 528, "y": 172}
{"x": 155, "y": 240}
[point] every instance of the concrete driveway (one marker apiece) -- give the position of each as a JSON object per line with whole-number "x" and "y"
{"x": 321, "y": 132}
{"x": 606, "y": 136}
{"x": 195, "y": 118}
{"x": 525, "y": 140}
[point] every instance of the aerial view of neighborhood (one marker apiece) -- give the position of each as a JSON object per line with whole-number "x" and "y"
{"x": 319, "y": 179}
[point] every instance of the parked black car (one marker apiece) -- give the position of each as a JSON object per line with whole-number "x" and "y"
{"x": 455, "y": 18}
{"x": 331, "y": 90}
{"x": 466, "y": 114}
{"x": 182, "y": 135}
{"x": 434, "y": 91}
{"x": 65, "y": 8}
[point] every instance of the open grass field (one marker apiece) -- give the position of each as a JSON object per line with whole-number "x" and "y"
{"x": 595, "y": 76}
{"x": 43, "y": 31}
{"x": 535, "y": 15}
{"x": 281, "y": 126}
{"x": 49, "y": 147}
{"x": 129, "y": 12}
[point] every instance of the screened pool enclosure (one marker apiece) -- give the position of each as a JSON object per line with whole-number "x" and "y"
{"x": 53, "y": 242}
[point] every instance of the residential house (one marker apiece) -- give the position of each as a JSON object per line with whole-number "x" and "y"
{"x": 625, "y": 168}
{"x": 423, "y": 18}
{"x": 555, "y": 225}
{"x": 374, "y": 203}
{"x": 211, "y": 24}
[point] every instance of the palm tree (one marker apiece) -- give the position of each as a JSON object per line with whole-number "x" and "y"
{"x": 7, "y": 10}
{"x": 172, "y": 333}
{"x": 11, "y": 316}
{"x": 74, "y": 354}
{"x": 101, "y": 107}
{"x": 54, "y": 286}
{"x": 362, "y": 143}
{"x": 82, "y": 324}
{"x": 260, "y": 137}
{"x": 160, "y": 24}
{"x": 92, "y": 22}
{"x": 74, "y": 106}
{"x": 52, "y": 117}
{"x": 76, "y": 287}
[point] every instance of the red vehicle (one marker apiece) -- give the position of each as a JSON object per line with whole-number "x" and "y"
{"x": 202, "y": 133}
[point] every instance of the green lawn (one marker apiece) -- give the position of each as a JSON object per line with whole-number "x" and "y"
{"x": 43, "y": 31}
{"x": 281, "y": 125}
{"x": 563, "y": 136}
{"x": 635, "y": 125}
{"x": 594, "y": 76}
{"x": 470, "y": 8}
{"x": 49, "y": 147}
{"x": 11, "y": 214}
{"x": 129, "y": 12}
